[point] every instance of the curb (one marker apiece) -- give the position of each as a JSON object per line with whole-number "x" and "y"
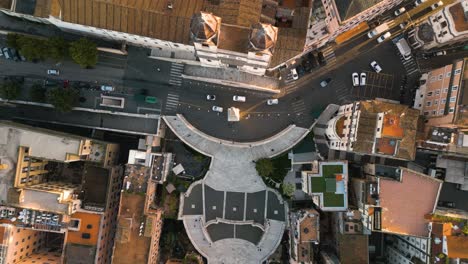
{"x": 232, "y": 84}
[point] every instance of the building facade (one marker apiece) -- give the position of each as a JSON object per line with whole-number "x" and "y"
{"x": 374, "y": 127}
{"x": 447, "y": 27}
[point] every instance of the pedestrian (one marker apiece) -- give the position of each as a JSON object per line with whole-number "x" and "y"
{"x": 159, "y": 70}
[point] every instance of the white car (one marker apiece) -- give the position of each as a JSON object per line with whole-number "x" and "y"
{"x": 436, "y": 5}
{"x": 272, "y": 101}
{"x": 355, "y": 77}
{"x": 218, "y": 109}
{"x": 294, "y": 74}
{"x": 376, "y": 66}
{"x": 53, "y": 72}
{"x": 210, "y": 97}
{"x": 403, "y": 25}
{"x": 383, "y": 37}
{"x": 400, "y": 11}
{"x": 418, "y": 2}
{"x": 363, "y": 78}
{"x": 441, "y": 53}
{"x": 238, "y": 98}
{"x": 107, "y": 88}
{"x": 325, "y": 82}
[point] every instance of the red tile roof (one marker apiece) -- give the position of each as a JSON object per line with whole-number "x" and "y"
{"x": 403, "y": 206}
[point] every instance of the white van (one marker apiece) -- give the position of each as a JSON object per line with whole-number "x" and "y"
{"x": 238, "y": 98}
{"x": 404, "y": 48}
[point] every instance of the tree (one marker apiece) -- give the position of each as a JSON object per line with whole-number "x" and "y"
{"x": 32, "y": 48}
{"x": 37, "y": 93}
{"x": 63, "y": 99}
{"x": 12, "y": 40}
{"x": 84, "y": 52}
{"x": 288, "y": 189}
{"x": 465, "y": 228}
{"x": 57, "y": 48}
{"x": 10, "y": 90}
{"x": 264, "y": 167}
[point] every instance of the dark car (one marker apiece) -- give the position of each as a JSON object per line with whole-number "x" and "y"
{"x": 300, "y": 70}
{"x": 15, "y": 55}
{"x": 446, "y": 204}
{"x": 321, "y": 58}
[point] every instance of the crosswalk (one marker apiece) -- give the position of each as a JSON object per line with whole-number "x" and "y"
{"x": 342, "y": 91}
{"x": 411, "y": 66}
{"x": 298, "y": 106}
{"x": 175, "y": 75}
{"x": 329, "y": 55}
{"x": 172, "y": 102}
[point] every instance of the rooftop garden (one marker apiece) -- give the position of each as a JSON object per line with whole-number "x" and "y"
{"x": 329, "y": 171}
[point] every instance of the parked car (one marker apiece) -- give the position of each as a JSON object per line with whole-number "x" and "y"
{"x": 300, "y": 70}
{"x": 15, "y": 54}
{"x": 272, "y": 101}
{"x": 325, "y": 82}
{"x": 53, "y": 72}
{"x": 403, "y": 25}
{"x": 210, "y": 97}
{"x": 441, "y": 53}
{"x": 383, "y": 37}
{"x": 238, "y": 98}
{"x": 66, "y": 83}
{"x": 294, "y": 74}
{"x": 7, "y": 54}
{"x": 418, "y": 2}
{"x": 48, "y": 82}
{"x": 218, "y": 109}
{"x": 446, "y": 204}
{"x": 400, "y": 11}
{"x": 107, "y": 88}
{"x": 376, "y": 66}
{"x": 355, "y": 77}
{"x": 436, "y": 5}
{"x": 363, "y": 78}
{"x": 1, "y": 51}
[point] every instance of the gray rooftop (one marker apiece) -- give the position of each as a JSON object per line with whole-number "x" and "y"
{"x": 214, "y": 203}
{"x": 235, "y": 206}
{"x": 256, "y": 207}
{"x": 132, "y": 124}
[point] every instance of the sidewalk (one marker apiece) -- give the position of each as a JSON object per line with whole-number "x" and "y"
{"x": 231, "y": 77}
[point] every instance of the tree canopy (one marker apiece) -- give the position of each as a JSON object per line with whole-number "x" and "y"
{"x": 264, "y": 167}
{"x": 64, "y": 99}
{"x": 10, "y": 90}
{"x": 38, "y": 93}
{"x": 84, "y": 52}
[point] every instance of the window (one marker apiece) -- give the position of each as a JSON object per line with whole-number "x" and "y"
{"x": 457, "y": 71}
{"x": 437, "y": 92}
{"x": 452, "y": 109}
{"x": 453, "y": 99}
{"x": 441, "y": 76}
{"x": 426, "y": 113}
{"x": 455, "y": 87}
{"x": 434, "y": 112}
{"x": 442, "y": 101}
{"x": 446, "y": 90}
{"x": 433, "y": 79}
{"x": 429, "y": 94}
{"x": 428, "y": 103}
{"x": 441, "y": 112}
{"x": 448, "y": 74}
{"x": 436, "y": 102}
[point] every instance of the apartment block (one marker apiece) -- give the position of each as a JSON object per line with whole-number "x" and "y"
{"x": 387, "y": 201}
{"x": 328, "y": 185}
{"x": 65, "y": 190}
{"x": 139, "y": 222}
{"x": 445, "y": 28}
{"x": 305, "y": 233}
{"x": 374, "y": 127}
{"x": 407, "y": 249}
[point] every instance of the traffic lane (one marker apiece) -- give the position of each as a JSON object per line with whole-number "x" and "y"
{"x": 450, "y": 193}
{"x": 251, "y": 127}
{"x": 141, "y": 67}
{"x": 68, "y": 71}
{"x": 441, "y": 61}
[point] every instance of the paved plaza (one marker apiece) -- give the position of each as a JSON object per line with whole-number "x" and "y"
{"x": 231, "y": 216}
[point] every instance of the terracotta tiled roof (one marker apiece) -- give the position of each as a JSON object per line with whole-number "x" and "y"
{"x": 403, "y": 206}
{"x": 457, "y": 247}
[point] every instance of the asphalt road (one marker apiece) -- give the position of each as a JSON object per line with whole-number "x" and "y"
{"x": 137, "y": 73}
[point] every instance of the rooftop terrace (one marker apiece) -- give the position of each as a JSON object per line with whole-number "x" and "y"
{"x": 330, "y": 185}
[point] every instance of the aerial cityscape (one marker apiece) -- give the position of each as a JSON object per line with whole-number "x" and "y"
{"x": 233, "y": 131}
